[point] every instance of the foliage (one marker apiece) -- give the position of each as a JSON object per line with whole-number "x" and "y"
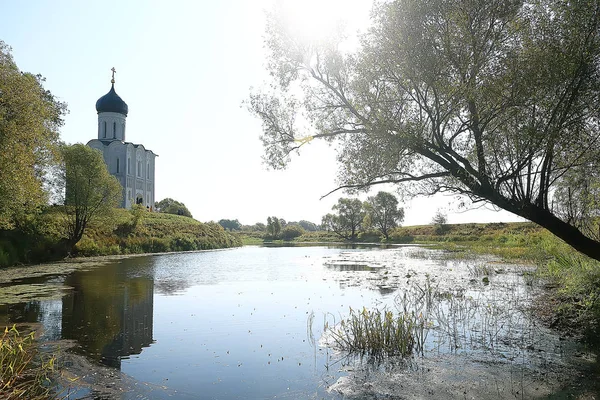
{"x": 91, "y": 191}
{"x": 138, "y": 213}
{"x": 347, "y": 221}
{"x": 291, "y": 232}
{"x": 273, "y": 227}
{"x": 496, "y": 100}
{"x": 439, "y": 220}
{"x": 577, "y": 294}
{"x": 308, "y": 226}
{"x": 154, "y": 232}
{"x": 24, "y": 372}
{"x": 158, "y": 232}
{"x": 383, "y": 212}
{"x": 231, "y": 224}
{"x": 30, "y": 117}
{"x": 170, "y": 206}
{"x": 379, "y": 333}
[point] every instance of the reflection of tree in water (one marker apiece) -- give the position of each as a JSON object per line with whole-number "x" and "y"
{"x": 171, "y": 287}
{"x": 19, "y": 313}
{"x": 108, "y": 313}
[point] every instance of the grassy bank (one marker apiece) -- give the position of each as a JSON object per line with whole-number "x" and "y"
{"x": 125, "y": 232}
{"x": 154, "y": 233}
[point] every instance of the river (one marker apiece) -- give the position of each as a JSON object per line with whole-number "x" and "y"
{"x": 248, "y": 323}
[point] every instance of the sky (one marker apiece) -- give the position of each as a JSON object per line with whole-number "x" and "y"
{"x": 184, "y": 68}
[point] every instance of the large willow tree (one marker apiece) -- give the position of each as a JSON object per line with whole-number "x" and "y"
{"x": 497, "y": 100}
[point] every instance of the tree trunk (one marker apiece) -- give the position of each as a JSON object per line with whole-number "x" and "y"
{"x": 534, "y": 213}
{"x": 570, "y": 234}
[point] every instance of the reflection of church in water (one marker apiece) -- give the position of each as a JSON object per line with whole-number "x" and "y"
{"x": 132, "y": 164}
{"x": 109, "y": 314}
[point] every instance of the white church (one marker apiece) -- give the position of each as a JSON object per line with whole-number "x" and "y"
{"x": 132, "y": 164}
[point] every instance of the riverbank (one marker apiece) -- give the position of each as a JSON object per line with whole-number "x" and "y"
{"x": 125, "y": 232}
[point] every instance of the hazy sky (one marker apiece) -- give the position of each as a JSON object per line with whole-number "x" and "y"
{"x": 184, "y": 68}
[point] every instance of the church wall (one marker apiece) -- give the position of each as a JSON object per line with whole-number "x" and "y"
{"x": 111, "y": 126}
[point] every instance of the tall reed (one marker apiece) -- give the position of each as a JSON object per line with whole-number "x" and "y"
{"x": 379, "y": 333}
{"x": 24, "y": 373}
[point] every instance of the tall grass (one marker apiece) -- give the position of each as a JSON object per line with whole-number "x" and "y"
{"x": 24, "y": 372}
{"x": 577, "y": 281}
{"x": 379, "y": 333}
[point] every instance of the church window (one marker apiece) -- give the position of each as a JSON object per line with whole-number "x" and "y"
{"x": 117, "y": 165}
{"x": 129, "y": 166}
{"x": 104, "y": 129}
{"x": 148, "y": 170}
{"x": 114, "y": 130}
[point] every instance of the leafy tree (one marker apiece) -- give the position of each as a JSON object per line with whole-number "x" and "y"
{"x": 91, "y": 191}
{"x": 383, "y": 212}
{"x": 231, "y": 224}
{"x": 30, "y": 117}
{"x": 440, "y": 219}
{"x": 346, "y": 223}
{"x": 170, "y": 206}
{"x": 291, "y": 231}
{"x": 308, "y": 226}
{"x": 493, "y": 99}
{"x": 273, "y": 227}
{"x": 257, "y": 227}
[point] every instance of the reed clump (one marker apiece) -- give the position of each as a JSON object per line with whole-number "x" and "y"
{"x": 24, "y": 373}
{"x": 379, "y": 333}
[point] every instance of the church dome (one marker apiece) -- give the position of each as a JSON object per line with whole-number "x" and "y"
{"x": 111, "y": 102}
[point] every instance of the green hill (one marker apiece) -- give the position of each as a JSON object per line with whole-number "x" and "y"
{"x": 154, "y": 233}
{"x": 125, "y": 232}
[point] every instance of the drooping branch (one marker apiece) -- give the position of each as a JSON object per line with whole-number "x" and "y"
{"x": 407, "y": 178}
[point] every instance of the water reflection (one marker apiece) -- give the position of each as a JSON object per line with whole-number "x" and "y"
{"x": 108, "y": 313}
{"x": 246, "y": 323}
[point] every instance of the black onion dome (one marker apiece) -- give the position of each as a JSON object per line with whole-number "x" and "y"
{"x": 111, "y": 102}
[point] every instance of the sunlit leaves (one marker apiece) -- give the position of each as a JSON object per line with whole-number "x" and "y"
{"x": 29, "y": 121}
{"x": 493, "y": 99}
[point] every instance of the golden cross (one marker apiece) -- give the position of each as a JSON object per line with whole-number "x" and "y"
{"x": 113, "y": 74}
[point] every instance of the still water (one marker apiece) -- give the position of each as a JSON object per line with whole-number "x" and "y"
{"x": 247, "y": 323}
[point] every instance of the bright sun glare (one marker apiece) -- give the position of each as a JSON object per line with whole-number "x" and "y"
{"x": 316, "y": 20}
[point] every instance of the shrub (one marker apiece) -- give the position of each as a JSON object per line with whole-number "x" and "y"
{"x": 291, "y": 232}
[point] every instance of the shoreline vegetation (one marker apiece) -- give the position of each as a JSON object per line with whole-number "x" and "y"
{"x": 124, "y": 232}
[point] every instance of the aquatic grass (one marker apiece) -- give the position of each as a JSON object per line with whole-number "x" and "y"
{"x": 24, "y": 372}
{"x": 480, "y": 270}
{"x": 379, "y": 333}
